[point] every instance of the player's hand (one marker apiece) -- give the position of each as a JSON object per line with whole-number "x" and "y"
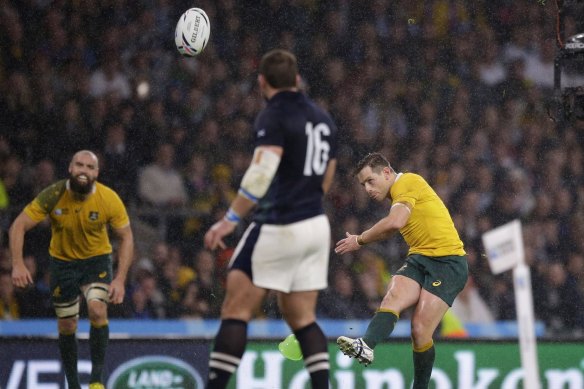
{"x": 347, "y": 245}
{"x": 117, "y": 290}
{"x": 214, "y": 237}
{"x": 21, "y": 277}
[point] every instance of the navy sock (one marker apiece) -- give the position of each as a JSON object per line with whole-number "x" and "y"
{"x": 229, "y": 347}
{"x": 316, "y": 359}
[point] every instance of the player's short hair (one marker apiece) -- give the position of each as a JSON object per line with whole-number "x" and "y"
{"x": 280, "y": 68}
{"x": 375, "y": 161}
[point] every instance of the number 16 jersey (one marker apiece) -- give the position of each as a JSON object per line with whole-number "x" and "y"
{"x": 308, "y": 137}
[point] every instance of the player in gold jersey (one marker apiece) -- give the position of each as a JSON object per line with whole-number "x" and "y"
{"x": 435, "y": 270}
{"x": 80, "y": 209}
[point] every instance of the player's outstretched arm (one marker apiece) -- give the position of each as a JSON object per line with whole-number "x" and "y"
{"x": 20, "y": 275}
{"x": 254, "y": 185}
{"x": 383, "y": 229}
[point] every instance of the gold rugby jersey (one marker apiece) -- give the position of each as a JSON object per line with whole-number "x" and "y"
{"x": 430, "y": 230}
{"x": 79, "y": 228}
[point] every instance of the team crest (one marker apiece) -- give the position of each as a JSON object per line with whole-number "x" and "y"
{"x": 93, "y": 215}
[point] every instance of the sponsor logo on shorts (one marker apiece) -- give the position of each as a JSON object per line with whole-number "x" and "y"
{"x": 102, "y": 274}
{"x": 437, "y": 283}
{"x": 57, "y": 291}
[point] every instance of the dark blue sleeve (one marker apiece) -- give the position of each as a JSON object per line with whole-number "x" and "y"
{"x": 267, "y": 130}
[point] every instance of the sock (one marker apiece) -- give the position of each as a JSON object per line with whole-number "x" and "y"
{"x": 229, "y": 346}
{"x": 423, "y": 363}
{"x": 98, "y": 340}
{"x": 316, "y": 359}
{"x": 68, "y": 349}
{"x": 380, "y": 327}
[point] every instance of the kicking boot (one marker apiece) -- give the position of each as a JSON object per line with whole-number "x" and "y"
{"x": 356, "y": 348}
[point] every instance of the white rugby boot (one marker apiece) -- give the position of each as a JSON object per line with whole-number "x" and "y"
{"x": 356, "y": 348}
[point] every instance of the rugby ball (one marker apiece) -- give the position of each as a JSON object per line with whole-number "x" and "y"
{"x": 192, "y": 32}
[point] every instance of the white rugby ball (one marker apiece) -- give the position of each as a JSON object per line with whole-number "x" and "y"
{"x": 192, "y": 32}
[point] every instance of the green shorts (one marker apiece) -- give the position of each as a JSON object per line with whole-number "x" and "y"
{"x": 68, "y": 277}
{"x": 444, "y": 276}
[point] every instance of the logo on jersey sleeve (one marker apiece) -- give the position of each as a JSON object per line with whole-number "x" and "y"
{"x": 61, "y": 211}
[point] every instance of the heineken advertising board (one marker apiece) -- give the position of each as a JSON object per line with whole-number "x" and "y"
{"x": 459, "y": 365}
{"x": 33, "y": 363}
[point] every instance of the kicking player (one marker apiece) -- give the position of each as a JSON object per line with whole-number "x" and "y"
{"x": 79, "y": 209}
{"x": 435, "y": 270}
{"x": 286, "y": 248}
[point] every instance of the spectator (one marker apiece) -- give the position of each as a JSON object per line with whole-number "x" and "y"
{"x": 340, "y": 299}
{"x": 192, "y": 306}
{"x": 109, "y": 79}
{"x": 160, "y": 184}
{"x": 561, "y": 306}
{"x": 119, "y": 168}
{"x": 210, "y": 281}
{"x": 147, "y": 301}
{"x": 42, "y": 176}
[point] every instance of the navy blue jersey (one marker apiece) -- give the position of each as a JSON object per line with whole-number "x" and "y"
{"x": 309, "y": 139}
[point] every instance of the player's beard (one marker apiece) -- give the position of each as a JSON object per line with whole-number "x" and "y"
{"x": 80, "y": 187}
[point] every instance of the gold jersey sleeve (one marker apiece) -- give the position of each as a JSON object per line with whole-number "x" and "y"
{"x": 430, "y": 230}
{"x": 79, "y": 228}
{"x": 45, "y": 201}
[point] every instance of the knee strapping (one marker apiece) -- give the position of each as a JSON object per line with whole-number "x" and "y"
{"x": 97, "y": 291}
{"x": 68, "y": 309}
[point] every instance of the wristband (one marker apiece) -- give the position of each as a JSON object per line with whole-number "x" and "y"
{"x": 231, "y": 216}
{"x": 360, "y": 240}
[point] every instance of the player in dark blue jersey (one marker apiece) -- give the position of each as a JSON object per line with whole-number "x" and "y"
{"x": 286, "y": 247}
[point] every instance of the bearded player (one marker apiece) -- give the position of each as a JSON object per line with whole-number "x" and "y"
{"x": 80, "y": 210}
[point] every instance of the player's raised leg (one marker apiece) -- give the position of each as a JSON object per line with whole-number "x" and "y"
{"x": 403, "y": 292}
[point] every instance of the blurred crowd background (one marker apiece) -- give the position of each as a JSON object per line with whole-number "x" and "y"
{"x": 455, "y": 91}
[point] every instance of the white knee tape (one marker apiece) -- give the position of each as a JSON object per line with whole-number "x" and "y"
{"x": 68, "y": 309}
{"x": 97, "y": 291}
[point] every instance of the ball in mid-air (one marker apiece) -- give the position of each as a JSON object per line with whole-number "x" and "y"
{"x": 192, "y": 32}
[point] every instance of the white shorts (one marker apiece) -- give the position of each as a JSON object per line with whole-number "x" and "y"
{"x": 287, "y": 258}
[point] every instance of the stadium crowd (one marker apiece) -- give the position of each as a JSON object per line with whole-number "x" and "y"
{"x": 455, "y": 91}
